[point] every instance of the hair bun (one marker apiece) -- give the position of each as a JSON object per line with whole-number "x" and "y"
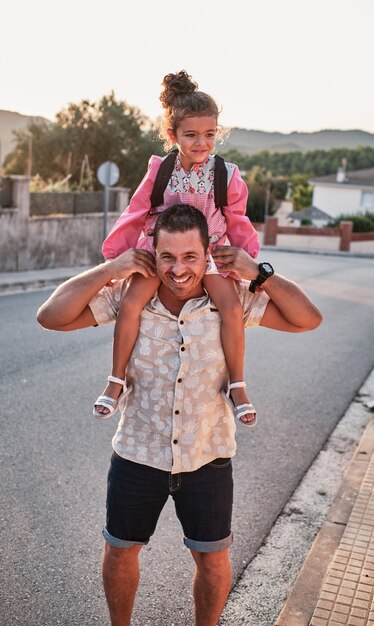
{"x": 175, "y": 85}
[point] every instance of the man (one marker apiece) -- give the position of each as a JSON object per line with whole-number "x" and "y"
{"x": 176, "y": 434}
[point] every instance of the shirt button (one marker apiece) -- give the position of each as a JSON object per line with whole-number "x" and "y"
{"x": 182, "y": 349}
{"x": 175, "y": 440}
{"x": 179, "y": 380}
{"x": 176, "y": 412}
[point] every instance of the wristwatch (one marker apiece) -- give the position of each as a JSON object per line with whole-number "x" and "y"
{"x": 265, "y": 271}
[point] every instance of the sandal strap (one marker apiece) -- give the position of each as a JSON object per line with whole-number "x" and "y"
{"x": 237, "y": 385}
{"x": 245, "y": 408}
{"x": 107, "y": 401}
{"x": 114, "y": 379}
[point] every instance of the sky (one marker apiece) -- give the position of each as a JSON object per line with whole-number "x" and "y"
{"x": 272, "y": 65}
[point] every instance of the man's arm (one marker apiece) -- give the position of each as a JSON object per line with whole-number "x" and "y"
{"x": 67, "y": 308}
{"x": 289, "y": 308}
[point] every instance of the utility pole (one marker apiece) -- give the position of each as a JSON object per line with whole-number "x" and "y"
{"x": 29, "y": 160}
{"x": 69, "y": 164}
{"x": 267, "y": 200}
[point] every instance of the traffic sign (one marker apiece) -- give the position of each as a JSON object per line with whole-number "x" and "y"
{"x": 108, "y": 174}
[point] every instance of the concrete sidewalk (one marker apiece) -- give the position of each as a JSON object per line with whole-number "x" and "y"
{"x": 316, "y": 566}
{"x": 336, "y": 583}
{"x": 18, "y": 282}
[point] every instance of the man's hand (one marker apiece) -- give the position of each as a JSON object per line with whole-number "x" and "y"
{"x": 236, "y": 260}
{"x": 289, "y": 308}
{"x": 130, "y": 262}
{"x": 68, "y": 307}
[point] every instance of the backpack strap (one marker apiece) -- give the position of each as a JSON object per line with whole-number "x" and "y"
{"x": 166, "y": 169}
{"x": 162, "y": 178}
{"x": 220, "y": 182}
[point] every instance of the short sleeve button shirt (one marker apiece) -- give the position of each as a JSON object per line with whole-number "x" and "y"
{"x": 177, "y": 418}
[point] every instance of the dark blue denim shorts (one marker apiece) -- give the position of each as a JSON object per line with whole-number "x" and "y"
{"x": 203, "y": 502}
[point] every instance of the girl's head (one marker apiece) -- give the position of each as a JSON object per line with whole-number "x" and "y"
{"x": 189, "y": 114}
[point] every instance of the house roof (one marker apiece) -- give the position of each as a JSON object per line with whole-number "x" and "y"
{"x": 359, "y": 178}
{"x": 310, "y": 213}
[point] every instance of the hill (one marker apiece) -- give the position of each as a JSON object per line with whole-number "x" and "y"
{"x": 252, "y": 141}
{"x": 245, "y": 141}
{"x": 10, "y": 121}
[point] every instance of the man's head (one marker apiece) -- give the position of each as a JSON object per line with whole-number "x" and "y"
{"x": 178, "y": 219}
{"x": 181, "y": 242}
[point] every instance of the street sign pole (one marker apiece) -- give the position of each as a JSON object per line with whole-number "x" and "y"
{"x": 108, "y": 175}
{"x": 106, "y": 208}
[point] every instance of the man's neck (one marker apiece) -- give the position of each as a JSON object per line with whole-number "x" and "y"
{"x": 170, "y": 302}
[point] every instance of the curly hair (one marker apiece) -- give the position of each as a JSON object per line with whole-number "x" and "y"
{"x": 180, "y": 98}
{"x": 179, "y": 218}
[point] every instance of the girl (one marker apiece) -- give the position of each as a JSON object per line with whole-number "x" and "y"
{"x": 189, "y": 123}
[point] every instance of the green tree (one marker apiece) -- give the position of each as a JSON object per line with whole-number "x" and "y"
{"x": 302, "y": 192}
{"x": 234, "y": 156}
{"x": 264, "y": 190}
{"x": 37, "y": 134}
{"x": 88, "y": 133}
{"x": 312, "y": 163}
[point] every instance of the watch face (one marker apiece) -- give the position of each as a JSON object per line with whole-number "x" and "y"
{"x": 266, "y": 269}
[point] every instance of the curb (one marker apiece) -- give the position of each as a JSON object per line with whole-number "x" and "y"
{"x": 19, "y": 282}
{"x": 303, "y": 599}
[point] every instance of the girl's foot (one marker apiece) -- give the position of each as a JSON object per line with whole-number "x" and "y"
{"x": 239, "y": 397}
{"x": 112, "y": 390}
{"x": 107, "y": 403}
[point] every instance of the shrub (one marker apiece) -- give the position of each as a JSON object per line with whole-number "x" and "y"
{"x": 361, "y": 223}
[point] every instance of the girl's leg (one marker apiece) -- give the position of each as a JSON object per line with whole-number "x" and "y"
{"x": 138, "y": 293}
{"x": 225, "y": 296}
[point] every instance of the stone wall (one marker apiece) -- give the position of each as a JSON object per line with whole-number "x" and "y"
{"x": 29, "y": 243}
{"x": 70, "y": 203}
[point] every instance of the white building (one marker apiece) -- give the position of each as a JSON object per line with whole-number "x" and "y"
{"x": 344, "y": 193}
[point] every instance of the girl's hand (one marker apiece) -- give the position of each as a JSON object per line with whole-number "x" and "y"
{"x": 130, "y": 262}
{"x": 236, "y": 260}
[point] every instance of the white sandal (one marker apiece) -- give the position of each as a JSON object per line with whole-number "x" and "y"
{"x": 241, "y": 409}
{"x": 110, "y": 403}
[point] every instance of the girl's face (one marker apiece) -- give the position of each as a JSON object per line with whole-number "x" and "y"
{"x": 195, "y": 139}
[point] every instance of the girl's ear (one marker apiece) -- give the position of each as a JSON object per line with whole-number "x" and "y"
{"x": 171, "y": 136}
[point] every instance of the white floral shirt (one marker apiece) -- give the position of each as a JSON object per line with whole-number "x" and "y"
{"x": 177, "y": 418}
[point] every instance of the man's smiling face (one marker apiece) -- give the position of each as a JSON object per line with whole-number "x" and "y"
{"x": 181, "y": 263}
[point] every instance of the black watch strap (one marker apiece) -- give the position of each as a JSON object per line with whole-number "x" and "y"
{"x": 256, "y": 283}
{"x": 252, "y": 286}
{"x": 265, "y": 271}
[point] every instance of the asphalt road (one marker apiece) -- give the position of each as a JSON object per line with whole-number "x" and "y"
{"x": 54, "y": 456}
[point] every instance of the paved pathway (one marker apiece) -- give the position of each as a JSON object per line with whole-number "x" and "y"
{"x": 336, "y": 585}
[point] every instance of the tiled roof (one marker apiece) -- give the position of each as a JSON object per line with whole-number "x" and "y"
{"x": 358, "y": 177}
{"x": 310, "y": 213}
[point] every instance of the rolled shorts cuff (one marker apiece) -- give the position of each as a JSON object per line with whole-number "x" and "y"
{"x": 209, "y": 546}
{"x": 121, "y": 543}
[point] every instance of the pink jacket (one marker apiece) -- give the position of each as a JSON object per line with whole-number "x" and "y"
{"x": 135, "y": 226}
